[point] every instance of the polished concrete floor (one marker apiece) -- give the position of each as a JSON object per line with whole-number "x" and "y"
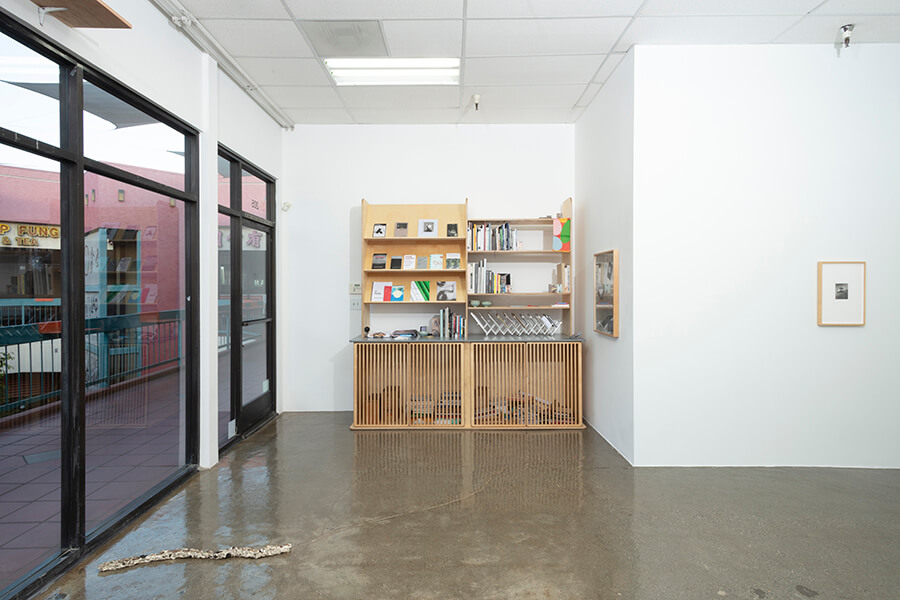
{"x": 539, "y": 515}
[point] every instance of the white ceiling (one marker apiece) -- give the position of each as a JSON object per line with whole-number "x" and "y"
{"x": 531, "y": 61}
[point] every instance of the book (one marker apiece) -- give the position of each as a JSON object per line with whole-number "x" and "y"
{"x": 453, "y": 260}
{"x": 428, "y": 227}
{"x": 123, "y": 264}
{"x": 436, "y": 262}
{"x": 379, "y": 230}
{"x": 422, "y": 262}
{"x": 381, "y": 291}
{"x": 396, "y": 262}
{"x": 446, "y": 291}
{"x": 452, "y": 230}
{"x": 400, "y": 229}
{"x": 409, "y": 261}
{"x": 379, "y": 259}
{"x": 420, "y": 291}
{"x": 397, "y": 293}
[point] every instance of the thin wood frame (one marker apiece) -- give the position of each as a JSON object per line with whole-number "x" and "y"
{"x": 827, "y": 315}
{"x": 603, "y": 308}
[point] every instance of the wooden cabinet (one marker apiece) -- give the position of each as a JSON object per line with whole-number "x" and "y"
{"x": 480, "y": 385}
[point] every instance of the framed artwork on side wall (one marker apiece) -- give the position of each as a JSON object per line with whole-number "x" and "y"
{"x": 842, "y": 293}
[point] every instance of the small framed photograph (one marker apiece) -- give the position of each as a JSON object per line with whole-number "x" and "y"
{"x": 842, "y": 293}
{"x": 428, "y": 227}
{"x": 452, "y": 230}
{"x": 400, "y": 229}
{"x": 379, "y": 230}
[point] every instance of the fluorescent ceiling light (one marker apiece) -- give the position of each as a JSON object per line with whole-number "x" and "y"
{"x": 394, "y": 71}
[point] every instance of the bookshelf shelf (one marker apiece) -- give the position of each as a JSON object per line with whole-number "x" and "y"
{"x": 417, "y": 271}
{"x": 528, "y": 377}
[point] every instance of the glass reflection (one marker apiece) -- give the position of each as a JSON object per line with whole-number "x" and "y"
{"x": 134, "y": 343}
{"x": 123, "y": 136}
{"x": 253, "y": 195}
{"x": 254, "y": 273}
{"x": 30, "y": 362}
{"x": 224, "y": 327}
{"x": 224, "y": 187}
{"x": 254, "y": 362}
{"x": 29, "y": 92}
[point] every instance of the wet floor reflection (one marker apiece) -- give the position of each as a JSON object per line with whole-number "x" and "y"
{"x": 472, "y": 514}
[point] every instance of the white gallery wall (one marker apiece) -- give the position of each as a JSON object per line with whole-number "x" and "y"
{"x": 504, "y": 170}
{"x": 604, "y": 189}
{"x": 750, "y": 165}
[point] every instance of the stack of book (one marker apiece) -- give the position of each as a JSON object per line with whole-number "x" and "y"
{"x": 451, "y": 326}
{"x": 485, "y": 236}
{"x": 482, "y": 280}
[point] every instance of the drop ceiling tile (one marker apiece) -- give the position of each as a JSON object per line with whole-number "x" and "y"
{"x": 285, "y": 71}
{"x": 325, "y": 116}
{"x": 525, "y": 96}
{"x": 827, "y": 30}
{"x": 712, "y": 8}
{"x": 510, "y": 9}
{"x": 259, "y": 38}
{"x": 703, "y": 30}
{"x": 346, "y": 39}
{"x": 516, "y": 115}
{"x": 236, "y": 9}
{"x": 589, "y": 93}
{"x": 304, "y": 96}
{"x": 394, "y": 116}
{"x": 859, "y": 7}
{"x": 400, "y": 96}
{"x": 382, "y": 9}
{"x": 533, "y": 70}
{"x": 423, "y": 39}
{"x": 534, "y": 37}
{"x": 612, "y": 61}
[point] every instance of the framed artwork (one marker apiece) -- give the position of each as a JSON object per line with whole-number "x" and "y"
{"x": 842, "y": 293}
{"x": 428, "y": 227}
{"x": 606, "y": 293}
{"x": 379, "y": 230}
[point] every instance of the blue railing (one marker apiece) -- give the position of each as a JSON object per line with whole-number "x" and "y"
{"x": 118, "y": 349}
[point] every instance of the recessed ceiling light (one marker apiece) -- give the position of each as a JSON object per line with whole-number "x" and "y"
{"x": 394, "y": 71}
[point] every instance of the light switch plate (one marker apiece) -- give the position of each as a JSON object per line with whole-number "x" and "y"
{"x": 355, "y": 303}
{"x": 356, "y": 288}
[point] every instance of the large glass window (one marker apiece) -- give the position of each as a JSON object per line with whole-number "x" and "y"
{"x": 137, "y": 400}
{"x": 29, "y": 92}
{"x": 30, "y": 363}
{"x": 122, "y": 136}
{"x": 253, "y": 195}
{"x": 134, "y": 343}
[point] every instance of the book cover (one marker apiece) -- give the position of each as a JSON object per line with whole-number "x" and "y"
{"x": 409, "y": 261}
{"x": 400, "y": 229}
{"x": 452, "y": 230}
{"x": 124, "y": 263}
{"x": 437, "y": 261}
{"x": 446, "y": 291}
{"x": 379, "y": 230}
{"x": 420, "y": 291}
{"x": 379, "y": 260}
{"x": 397, "y": 293}
{"x": 562, "y": 234}
{"x": 396, "y": 262}
{"x": 421, "y": 262}
{"x": 381, "y": 291}
{"x": 453, "y": 260}
{"x": 428, "y": 227}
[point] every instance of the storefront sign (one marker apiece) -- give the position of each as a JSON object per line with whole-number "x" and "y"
{"x": 27, "y": 235}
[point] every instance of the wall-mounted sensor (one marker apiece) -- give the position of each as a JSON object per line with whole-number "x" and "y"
{"x": 846, "y": 30}
{"x": 475, "y": 100}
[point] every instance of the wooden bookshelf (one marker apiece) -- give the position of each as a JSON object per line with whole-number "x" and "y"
{"x": 536, "y": 250}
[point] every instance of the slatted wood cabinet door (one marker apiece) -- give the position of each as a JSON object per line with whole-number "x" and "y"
{"x": 408, "y": 385}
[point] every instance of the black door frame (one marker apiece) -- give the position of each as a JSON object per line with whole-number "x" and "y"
{"x": 249, "y": 416}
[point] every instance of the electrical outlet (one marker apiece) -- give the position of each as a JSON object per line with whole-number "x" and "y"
{"x": 355, "y": 303}
{"x": 356, "y": 288}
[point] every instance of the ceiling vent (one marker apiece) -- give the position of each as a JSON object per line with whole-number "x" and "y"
{"x": 337, "y": 39}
